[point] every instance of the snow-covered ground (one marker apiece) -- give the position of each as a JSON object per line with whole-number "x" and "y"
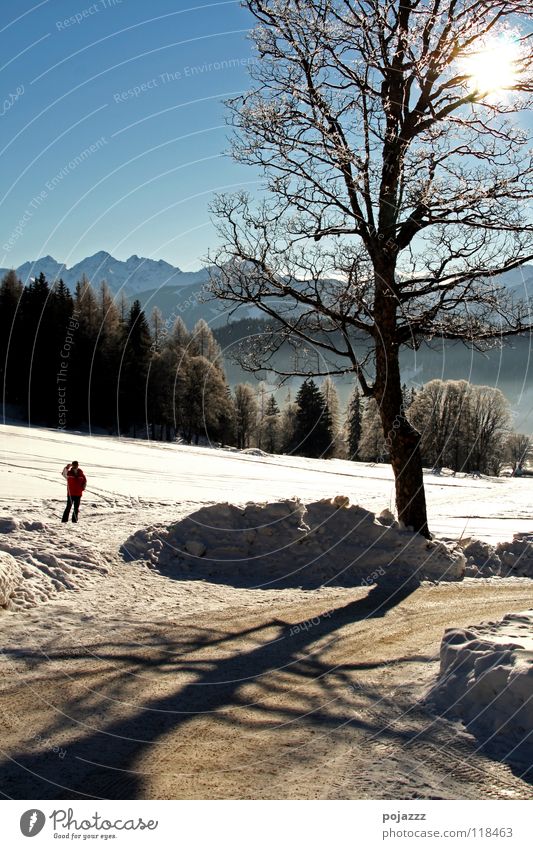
{"x": 106, "y": 655}
{"x": 150, "y": 498}
{"x": 486, "y": 680}
{"x": 128, "y": 473}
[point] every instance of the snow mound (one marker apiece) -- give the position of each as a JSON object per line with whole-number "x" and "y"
{"x": 35, "y": 567}
{"x": 486, "y": 680}
{"x": 505, "y": 560}
{"x": 287, "y": 543}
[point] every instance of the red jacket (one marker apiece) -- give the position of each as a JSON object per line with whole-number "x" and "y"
{"x": 76, "y": 483}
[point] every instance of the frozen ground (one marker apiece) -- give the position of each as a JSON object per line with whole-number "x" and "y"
{"x": 131, "y": 679}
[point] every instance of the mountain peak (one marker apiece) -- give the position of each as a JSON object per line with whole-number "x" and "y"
{"x": 100, "y": 255}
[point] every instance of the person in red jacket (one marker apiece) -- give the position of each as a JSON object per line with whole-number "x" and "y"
{"x": 76, "y": 483}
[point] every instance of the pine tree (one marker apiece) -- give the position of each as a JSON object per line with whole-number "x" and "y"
{"x": 134, "y": 372}
{"x": 245, "y": 414}
{"x": 36, "y": 386}
{"x": 288, "y": 424}
{"x": 82, "y": 346}
{"x": 10, "y": 326}
{"x": 271, "y": 428}
{"x": 106, "y": 365}
{"x": 353, "y": 425}
{"x": 331, "y": 398}
{"x": 313, "y": 435}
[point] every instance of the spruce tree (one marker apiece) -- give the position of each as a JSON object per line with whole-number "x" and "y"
{"x": 331, "y": 398}
{"x": 271, "y": 428}
{"x": 313, "y": 435}
{"x": 36, "y": 385}
{"x": 10, "y": 300}
{"x": 134, "y": 372}
{"x": 245, "y": 414}
{"x": 106, "y": 364}
{"x": 353, "y": 425}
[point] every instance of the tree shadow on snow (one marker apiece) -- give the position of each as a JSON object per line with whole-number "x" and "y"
{"x": 200, "y": 671}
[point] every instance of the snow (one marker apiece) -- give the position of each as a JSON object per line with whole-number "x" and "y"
{"x": 127, "y": 473}
{"x": 34, "y": 565}
{"x": 289, "y": 534}
{"x": 486, "y": 680}
{"x": 242, "y": 554}
{"x": 289, "y": 543}
{"x": 506, "y": 559}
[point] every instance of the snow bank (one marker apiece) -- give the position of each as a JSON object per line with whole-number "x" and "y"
{"x": 37, "y": 562}
{"x": 486, "y": 680}
{"x": 505, "y": 560}
{"x": 288, "y": 543}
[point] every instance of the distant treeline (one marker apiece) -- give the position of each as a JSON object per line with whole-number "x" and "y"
{"x": 86, "y": 360}
{"x": 83, "y": 360}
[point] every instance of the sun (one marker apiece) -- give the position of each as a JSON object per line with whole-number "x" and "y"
{"x": 492, "y": 69}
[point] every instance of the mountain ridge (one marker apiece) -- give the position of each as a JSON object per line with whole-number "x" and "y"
{"x": 133, "y": 275}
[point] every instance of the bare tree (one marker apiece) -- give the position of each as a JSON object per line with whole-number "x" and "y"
{"x": 397, "y": 189}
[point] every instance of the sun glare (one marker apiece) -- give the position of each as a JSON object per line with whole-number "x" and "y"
{"x": 492, "y": 70}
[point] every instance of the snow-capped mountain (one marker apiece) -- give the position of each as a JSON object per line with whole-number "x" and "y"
{"x": 134, "y": 275}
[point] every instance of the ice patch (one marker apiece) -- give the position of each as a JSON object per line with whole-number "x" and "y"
{"x": 288, "y": 543}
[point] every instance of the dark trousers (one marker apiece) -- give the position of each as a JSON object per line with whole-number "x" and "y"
{"x": 72, "y": 501}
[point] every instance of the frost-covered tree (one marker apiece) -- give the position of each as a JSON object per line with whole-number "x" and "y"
{"x": 372, "y": 447}
{"x": 462, "y": 426}
{"x": 179, "y": 336}
{"x": 203, "y": 343}
{"x": 489, "y": 427}
{"x": 288, "y": 424}
{"x": 262, "y": 401}
{"x": 158, "y": 329}
{"x": 206, "y": 406}
{"x": 399, "y": 180}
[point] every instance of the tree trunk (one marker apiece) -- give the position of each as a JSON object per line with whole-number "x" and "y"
{"x": 401, "y": 439}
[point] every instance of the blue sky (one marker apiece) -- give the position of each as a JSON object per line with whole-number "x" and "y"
{"x": 113, "y": 126}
